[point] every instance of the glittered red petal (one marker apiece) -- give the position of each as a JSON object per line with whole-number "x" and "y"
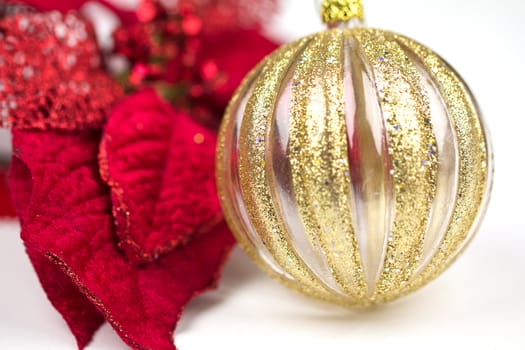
{"x": 51, "y": 74}
{"x": 66, "y": 220}
{"x": 159, "y": 164}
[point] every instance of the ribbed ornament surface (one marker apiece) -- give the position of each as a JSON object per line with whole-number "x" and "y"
{"x": 353, "y": 165}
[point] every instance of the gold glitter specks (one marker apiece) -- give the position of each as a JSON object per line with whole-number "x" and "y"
{"x": 334, "y": 11}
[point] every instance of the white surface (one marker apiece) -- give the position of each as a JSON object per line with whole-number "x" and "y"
{"x": 477, "y": 304}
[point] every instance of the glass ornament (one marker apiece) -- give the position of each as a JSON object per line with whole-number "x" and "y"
{"x": 353, "y": 164}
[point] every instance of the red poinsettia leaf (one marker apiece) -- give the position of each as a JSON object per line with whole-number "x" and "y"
{"x": 67, "y": 221}
{"x": 41, "y": 174}
{"x": 144, "y": 304}
{"x": 82, "y": 317}
{"x": 159, "y": 164}
{"x": 51, "y": 74}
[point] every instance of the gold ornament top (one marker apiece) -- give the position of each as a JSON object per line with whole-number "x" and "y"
{"x": 340, "y": 11}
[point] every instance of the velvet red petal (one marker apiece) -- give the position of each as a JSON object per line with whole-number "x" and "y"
{"x": 52, "y": 75}
{"x": 39, "y": 179}
{"x": 160, "y": 166}
{"x": 66, "y": 221}
{"x": 80, "y": 314}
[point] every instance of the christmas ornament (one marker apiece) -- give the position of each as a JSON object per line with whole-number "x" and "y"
{"x": 353, "y": 165}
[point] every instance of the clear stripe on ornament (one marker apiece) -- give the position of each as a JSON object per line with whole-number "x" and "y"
{"x": 369, "y": 162}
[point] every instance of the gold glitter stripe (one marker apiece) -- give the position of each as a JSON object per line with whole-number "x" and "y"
{"x": 253, "y": 170}
{"x": 473, "y": 166}
{"x": 407, "y": 113}
{"x": 228, "y": 183}
{"x": 281, "y": 188}
{"x": 448, "y": 165}
{"x": 319, "y": 158}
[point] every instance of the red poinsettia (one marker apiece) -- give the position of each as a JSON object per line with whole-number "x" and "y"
{"x": 70, "y": 225}
{"x": 116, "y": 194}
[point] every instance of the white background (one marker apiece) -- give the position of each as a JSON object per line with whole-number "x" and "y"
{"x": 477, "y": 304}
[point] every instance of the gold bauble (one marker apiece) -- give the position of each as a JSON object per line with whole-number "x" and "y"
{"x": 353, "y": 165}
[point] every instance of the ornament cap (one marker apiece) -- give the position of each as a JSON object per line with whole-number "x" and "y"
{"x": 334, "y": 12}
